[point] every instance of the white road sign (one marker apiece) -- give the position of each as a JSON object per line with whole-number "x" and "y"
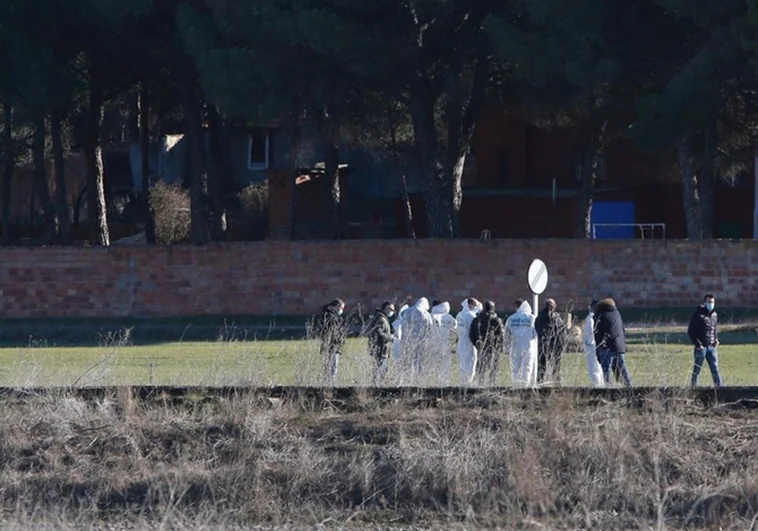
{"x": 537, "y": 277}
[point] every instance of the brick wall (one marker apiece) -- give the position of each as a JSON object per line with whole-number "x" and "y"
{"x": 296, "y": 277}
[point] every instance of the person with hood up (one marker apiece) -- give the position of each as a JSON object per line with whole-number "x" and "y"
{"x": 380, "y": 340}
{"x": 610, "y": 340}
{"x": 416, "y": 328}
{"x": 440, "y": 354}
{"x": 465, "y": 349}
{"x": 487, "y": 335}
{"x": 332, "y": 332}
{"x": 551, "y": 332}
{"x": 521, "y": 343}
{"x": 397, "y": 327}
{"x": 594, "y": 369}
{"x": 704, "y": 334}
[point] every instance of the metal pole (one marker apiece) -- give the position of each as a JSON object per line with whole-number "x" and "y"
{"x": 536, "y": 303}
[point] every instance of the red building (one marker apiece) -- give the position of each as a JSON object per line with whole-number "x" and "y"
{"x": 523, "y": 182}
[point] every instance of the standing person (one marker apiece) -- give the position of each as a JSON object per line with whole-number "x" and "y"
{"x": 521, "y": 343}
{"x": 610, "y": 340}
{"x": 397, "y": 327}
{"x": 380, "y": 340}
{"x": 704, "y": 334}
{"x": 333, "y": 332}
{"x": 594, "y": 369}
{"x": 487, "y": 335}
{"x": 443, "y": 324}
{"x": 551, "y": 332}
{"x": 465, "y": 349}
{"x": 417, "y": 327}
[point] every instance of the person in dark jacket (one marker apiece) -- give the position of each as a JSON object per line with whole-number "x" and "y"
{"x": 704, "y": 334}
{"x": 610, "y": 340}
{"x": 552, "y": 337}
{"x": 381, "y": 340}
{"x": 332, "y": 332}
{"x": 486, "y": 334}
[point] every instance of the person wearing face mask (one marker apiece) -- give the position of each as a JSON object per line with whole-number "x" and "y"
{"x": 704, "y": 334}
{"x": 465, "y": 349}
{"x": 521, "y": 343}
{"x": 380, "y": 340}
{"x": 414, "y": 345}
{"x": 594, "y": 369}
{"x": 440, "y": 354}
{"x": 332, "y": 332}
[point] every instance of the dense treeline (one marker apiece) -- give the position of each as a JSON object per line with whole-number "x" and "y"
{"x": 407, "y": 77}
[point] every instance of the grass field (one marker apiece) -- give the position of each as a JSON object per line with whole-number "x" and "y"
{"x": 657, "y": 356}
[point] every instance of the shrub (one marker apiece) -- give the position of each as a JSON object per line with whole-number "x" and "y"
{"x": 171, "y": 207}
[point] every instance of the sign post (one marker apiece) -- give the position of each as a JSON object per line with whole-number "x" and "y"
{"x": 536, "y": 278}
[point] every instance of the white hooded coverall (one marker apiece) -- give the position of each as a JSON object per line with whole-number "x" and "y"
{"x": 465, "y": 349}
{"x": 416, "y": 330}
{"x": 443, "y": 324}
{"x": 521, "y": 342}
{"x": 397, "y": 327}
{"x": 590, "y": 349}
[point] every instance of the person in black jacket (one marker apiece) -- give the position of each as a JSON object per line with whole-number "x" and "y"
{"x": 704, "y": 334}
{"x": 381, "y": 340}
{"x": 552, "y": 336}
{"x": 332, "y": 332}
{"x": 486, "y": 334}
{"x": 610, "y": 340}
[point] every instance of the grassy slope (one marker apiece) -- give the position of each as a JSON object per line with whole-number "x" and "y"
{"x": 658, "y": 356}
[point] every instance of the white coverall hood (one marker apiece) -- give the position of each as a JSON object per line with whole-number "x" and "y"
{"x": 525, "y": 308}
{"x": 423, "y": 304}
{"x": 441, "y": 309}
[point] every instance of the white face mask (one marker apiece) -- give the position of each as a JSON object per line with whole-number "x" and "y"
{"x": 710, "y": 306}
{"x": 340, "y": 311}
{"x": 390, "y": 313}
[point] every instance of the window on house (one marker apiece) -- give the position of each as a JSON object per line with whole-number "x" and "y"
{"x": 258, "y": 152}
{"x": 505, "y": 166}
{"x": 582, "y": 159}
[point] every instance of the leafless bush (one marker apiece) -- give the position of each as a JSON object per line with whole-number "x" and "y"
{"x": 171, "y": 207}
{"x": 494, "y": 462}
{"x": 254, "y": 200}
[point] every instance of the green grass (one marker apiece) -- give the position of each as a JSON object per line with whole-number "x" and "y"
{"x": 660, "y": 356}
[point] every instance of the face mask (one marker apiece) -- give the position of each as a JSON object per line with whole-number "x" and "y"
{"x": 340, "y": 311}
{"x": 710, "y": 306}
{"x": 390, "y": 313}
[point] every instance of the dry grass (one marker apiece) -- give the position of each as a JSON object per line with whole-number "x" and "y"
{"x": 171, "y": 206}
{"x": 510, "y": 462}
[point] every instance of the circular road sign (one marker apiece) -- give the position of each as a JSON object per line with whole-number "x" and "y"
{"x": 537, "y": 276}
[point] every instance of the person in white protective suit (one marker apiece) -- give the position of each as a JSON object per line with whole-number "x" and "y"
{"x": 416, "y": 334}
{"x": 521, "y": 343}
{"x": 397, "y": 328}
{"x": 443, "y": 324}
{"x": 594, "y": 369}
{"x": 465, "y": 348}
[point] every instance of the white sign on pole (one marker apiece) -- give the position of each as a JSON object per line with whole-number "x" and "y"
{"x": 536, "y": 278}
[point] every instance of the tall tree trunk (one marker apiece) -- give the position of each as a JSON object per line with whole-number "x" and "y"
{"x": 589, "y": 175}
{"x": 215, "y": 173}
{"x": 50, "y": 227}
{"x": 435, "y": 189}
{"x": 144, "y": 140}
{"x": 410, "y": 231}
{"x": 707, "y": 181}
{"x": 332, "y": 178}
{"x": 61, "y": 202}
{"x": 198, "y": 177}
{"x": 93, "y": 153}
{"x": 8, "y": 166}
{"x": 692, "y": 208}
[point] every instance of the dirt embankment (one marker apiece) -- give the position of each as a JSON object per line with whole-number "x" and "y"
{"x": 476, "y": 461}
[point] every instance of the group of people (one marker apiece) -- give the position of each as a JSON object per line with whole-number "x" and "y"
{"x": 420, "y": 337}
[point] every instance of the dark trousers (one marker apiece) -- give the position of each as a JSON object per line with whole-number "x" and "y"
{"x": 615, "y": 361}
{"x": 548, "y": 366}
